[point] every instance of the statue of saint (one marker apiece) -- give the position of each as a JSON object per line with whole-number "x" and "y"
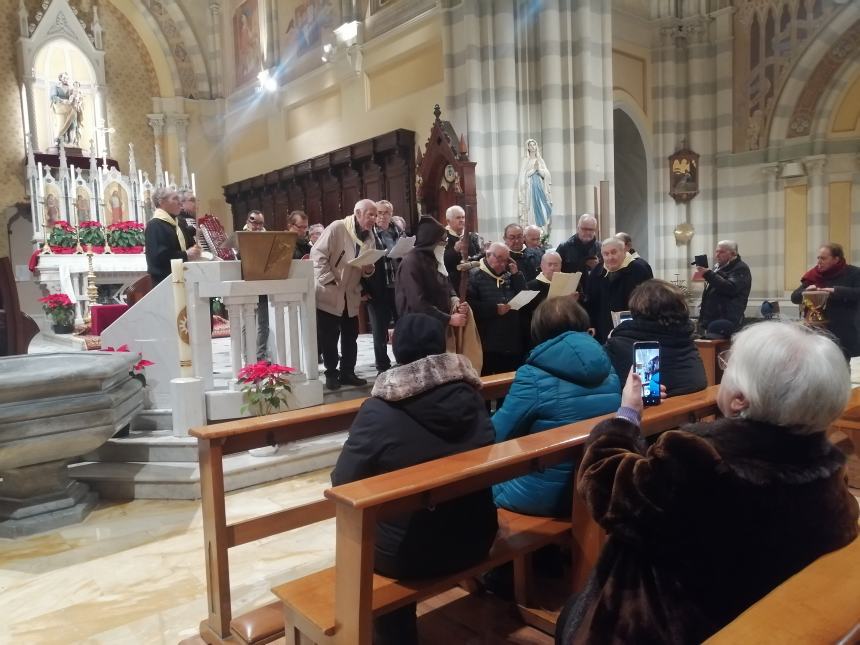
{"x": 82, "y": 206}
{"x": 535, "y": 188}
{"x": 52, "y": 211}
{"x": 67, "y": 105}
{"x": 115, "y": 207}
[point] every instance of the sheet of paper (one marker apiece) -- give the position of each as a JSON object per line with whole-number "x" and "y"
{"x": 367, "y": 257}
{"x": 403, "y": 246}
{"x": 523, "y": 298}
{"x": 563, "y": 284}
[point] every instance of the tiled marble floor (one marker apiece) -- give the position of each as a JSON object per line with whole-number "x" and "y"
{"x": 133, "y": 572}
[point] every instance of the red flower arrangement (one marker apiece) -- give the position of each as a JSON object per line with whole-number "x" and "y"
{"x": 265, "y": 386}
{"x": 59, "y": 308}
{"x": 91, "y": 232}
{"x": 137, "y": 370}
{"x": 126, "y": 235}
{"x": 63, "y": 235}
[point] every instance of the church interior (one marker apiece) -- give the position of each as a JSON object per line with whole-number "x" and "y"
{"x": 680, "y": 122}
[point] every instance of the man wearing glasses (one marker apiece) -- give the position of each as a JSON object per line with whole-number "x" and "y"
{"x": 298, "y": 224}
{"x": 581, "y": 252}
{"x": 515, "y": 241}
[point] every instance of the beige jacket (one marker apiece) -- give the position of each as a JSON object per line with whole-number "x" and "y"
{"x": 337, "y": 283}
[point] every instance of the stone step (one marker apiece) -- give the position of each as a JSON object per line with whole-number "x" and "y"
{"x": 147, "y": 447}
{"x": 181, "y": 480}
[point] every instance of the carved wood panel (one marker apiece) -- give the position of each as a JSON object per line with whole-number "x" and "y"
{"x": 327, "y": 186}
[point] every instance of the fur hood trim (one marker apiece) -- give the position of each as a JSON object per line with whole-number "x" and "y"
{"x": 406, "y": 381}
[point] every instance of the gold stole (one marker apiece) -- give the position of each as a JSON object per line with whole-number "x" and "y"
{"x": 483, "y": 266}
{"x": 164, "y": 216}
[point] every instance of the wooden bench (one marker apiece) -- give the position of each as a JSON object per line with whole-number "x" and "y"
{"x": 818, "y": 605}
{"x": 214, "y": 442}
{"x": 338, "y": 605}
{"x": 709, "y": 350}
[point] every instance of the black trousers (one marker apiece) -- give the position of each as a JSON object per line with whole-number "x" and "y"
{"x": 329, "y": 329}
{"x": 381, "y": 309}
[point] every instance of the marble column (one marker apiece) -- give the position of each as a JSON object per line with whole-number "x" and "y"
{"x": 775, "y": 209}
{"x": 156, "y": 122}
{"x": 818, "y": 220}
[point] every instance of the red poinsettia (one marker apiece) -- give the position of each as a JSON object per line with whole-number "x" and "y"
{"x": 59, "y": 308}
{"x": 266, "y": 386}
{"x": 137, "y": 370}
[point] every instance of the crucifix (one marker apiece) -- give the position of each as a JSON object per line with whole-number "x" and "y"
{"x": 102, "y": 130}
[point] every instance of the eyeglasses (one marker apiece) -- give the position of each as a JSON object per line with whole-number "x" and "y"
{"x": 723, "y": 359}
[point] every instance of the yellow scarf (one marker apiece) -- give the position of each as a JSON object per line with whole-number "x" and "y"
{"x": 499, "y": 280}
{"x": 451, "y": 231}
{"x": 542, "y": 278}
{"x": 164, "y": 216}
{"x": 349, "y": 223}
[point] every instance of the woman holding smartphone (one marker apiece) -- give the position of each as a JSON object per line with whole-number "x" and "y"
{"x": 712, "y": 517}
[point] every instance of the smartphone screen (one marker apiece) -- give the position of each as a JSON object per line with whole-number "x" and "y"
{"x": 646, "y": 362}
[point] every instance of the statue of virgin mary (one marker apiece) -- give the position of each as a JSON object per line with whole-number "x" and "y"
{"x": 535, "y": 189}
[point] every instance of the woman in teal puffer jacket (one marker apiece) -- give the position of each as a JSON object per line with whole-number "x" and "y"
{"x": 567, "y": 377}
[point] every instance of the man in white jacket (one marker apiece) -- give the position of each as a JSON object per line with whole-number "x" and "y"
{"x": 338, "y": 290}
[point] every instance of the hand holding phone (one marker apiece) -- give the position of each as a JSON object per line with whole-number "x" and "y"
{"x": 646, "y": 363}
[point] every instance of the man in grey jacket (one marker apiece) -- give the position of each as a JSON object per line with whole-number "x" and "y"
{"x": 338, "y": 290}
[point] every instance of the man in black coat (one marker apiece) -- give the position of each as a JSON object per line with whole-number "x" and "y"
{"x": 581, "y": 252}
{"x": 727, "y": 287}
{"x": 491, "y": 286}
{"x": 628, "y": 246}
{"x": 456, "y": 218}
{"x": 513, "y": 237}
{"x": 420, "y": 286}
{"x": 380, "y": 285}
{"x": 842, "y": 281}
{"x": 298, "y": 224}
{"x": 426, "y": 408}
{"x": 610, "y": 286}
{"x": 165, "y": 241}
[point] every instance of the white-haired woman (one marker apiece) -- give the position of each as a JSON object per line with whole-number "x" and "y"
{"x": 712, "y": 517}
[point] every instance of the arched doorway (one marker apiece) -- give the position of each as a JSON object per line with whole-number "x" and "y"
{"x": 631, "y": 181}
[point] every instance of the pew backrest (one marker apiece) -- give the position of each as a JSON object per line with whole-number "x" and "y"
{"x": 216, "y": 441}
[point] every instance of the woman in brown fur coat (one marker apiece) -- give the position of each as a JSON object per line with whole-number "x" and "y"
{"x": 711, "y": 518}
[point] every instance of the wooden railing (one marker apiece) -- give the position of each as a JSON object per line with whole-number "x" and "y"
{"x": 214, "y": 442}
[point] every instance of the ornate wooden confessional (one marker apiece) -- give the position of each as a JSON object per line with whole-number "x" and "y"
{"x": 444, "y": 175}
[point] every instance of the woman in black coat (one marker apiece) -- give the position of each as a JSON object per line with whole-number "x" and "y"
{"x": 842, "y": 280}
{"x": 425, "y": 408}
{"x": 660, "y": 313}
{"x": 712, "y": 517}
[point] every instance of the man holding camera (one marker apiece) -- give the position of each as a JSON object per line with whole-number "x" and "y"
{"x": 727, "y": 289}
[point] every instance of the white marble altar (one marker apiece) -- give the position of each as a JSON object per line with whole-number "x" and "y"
{"x": 67, "y": 273}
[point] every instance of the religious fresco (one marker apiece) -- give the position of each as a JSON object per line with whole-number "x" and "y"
{"x": 53, "y": 199}
{"x": 248, "y": 57}
{"x": 82, "y": 205}
{"x": 307, "y": 22}
{"x": 115, "y": 204}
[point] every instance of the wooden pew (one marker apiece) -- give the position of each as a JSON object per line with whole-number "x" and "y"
{"x": 817, "y": 606}
{"x": 709, "y": 350}
{"x": 338, "y": 605}
{"x": 214, "y": 442}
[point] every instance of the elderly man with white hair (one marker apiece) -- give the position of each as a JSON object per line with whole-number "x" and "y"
{"x": 165, "y": 240}
{"x": 727, "y": 289}
{"x": 492, "y": 284}
{"x": 338, "y": 290}
{"x": 675, "y": 569}
{"x": 610, "y": 286}
{"x": 456, "y": 219}
{"x": 581, "y": 252}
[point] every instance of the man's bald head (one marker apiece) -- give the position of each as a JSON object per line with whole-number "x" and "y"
{"x": 550, "y": 263}
{"x": 498, "y": 257}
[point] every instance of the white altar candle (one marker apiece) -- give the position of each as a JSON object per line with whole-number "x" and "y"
{"x": 177, "y": 276}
